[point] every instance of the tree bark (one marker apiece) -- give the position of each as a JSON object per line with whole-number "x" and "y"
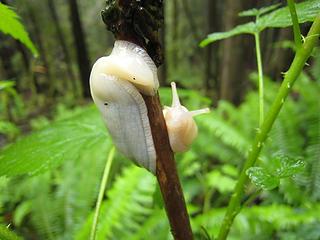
{"x": 231, "y": 57}
{"x": 190, "y": 19}
{"x": 24, "y": 55}
{"x": 163, "y": 68}
{"x": 6, "y": 54}
{"x": 56, "y": 22}
{"x": 174, "y": 39}
{"x": 81, "y": 47}
{"x": 278, "y": 59}
{"x": 124, "y": 27}
{"x": 212, "y": 51}
{"x": 47, "y": 86}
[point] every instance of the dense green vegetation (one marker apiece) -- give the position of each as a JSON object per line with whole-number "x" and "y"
{"x": 54, "y": 147}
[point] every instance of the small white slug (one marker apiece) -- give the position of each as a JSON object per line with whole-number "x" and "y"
{"x": 182, "y": 129}
{"x": 115, "y": 82}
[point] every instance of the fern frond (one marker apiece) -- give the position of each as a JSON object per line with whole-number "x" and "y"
{"x": 129, "y": 203}
{"x": 313, "y": 157}
{"x": 259, "y": 221}
{"x": 155, "y": 225}
{"x": 224, "y": 131}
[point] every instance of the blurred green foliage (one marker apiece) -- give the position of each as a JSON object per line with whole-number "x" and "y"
{"x": 10, "y": 24}
{"x": 58, "y": 204}
{"x": 49, "y": 178}
{"x": 306, "y": 11}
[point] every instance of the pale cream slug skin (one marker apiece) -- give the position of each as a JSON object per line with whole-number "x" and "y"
{"x": 115, "y": 83}
{"x": 182, "y": 129}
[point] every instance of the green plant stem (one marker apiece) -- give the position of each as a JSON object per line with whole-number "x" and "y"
{"x": 295, "y": 24}
{"x": 101, "y": 193}
{"x": 252, "y": 197}
{"x": 207, "y": 200}
{"x": 295, "y": 69}
{"x": 260, "y": 76}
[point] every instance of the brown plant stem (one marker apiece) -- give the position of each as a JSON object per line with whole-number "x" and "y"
{"x": 119, "y": 16}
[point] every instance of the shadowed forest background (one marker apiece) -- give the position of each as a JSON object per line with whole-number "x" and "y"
{"x": 50, "y": 128}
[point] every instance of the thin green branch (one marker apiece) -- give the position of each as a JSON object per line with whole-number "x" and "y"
{"x": 101, "y": 193}
{"x": 295, "y": 23}
{"x": 207, "y": 200}
{"x": 251, "y": 198}
{"x": 295, "y": 69}
{"x": 260, "y": 76}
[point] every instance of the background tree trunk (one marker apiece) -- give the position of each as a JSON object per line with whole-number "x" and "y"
{"x": 175, "y": 12}
{"x": 276, "y": 59}
{"x": 56, "y": 22}
{"x": 163, "y": 68}
{"x": 46, "y": 86}
{"x": 81, "y": 47}
{"x": 213, "y": 9}
{"x": 231, "y": 63}
{"x": 190, "y": 19}
{"x": 6, "y": 54}
{"x": 24, "y": 55}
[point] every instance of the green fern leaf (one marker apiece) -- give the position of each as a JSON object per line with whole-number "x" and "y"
{"x": 155, "y": 225}
{"x": 129, "y": 204}
{"x": 228, "y": 134}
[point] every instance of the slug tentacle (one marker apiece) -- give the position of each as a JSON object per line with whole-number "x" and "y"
{"x": 175, "y": 96}
{"x": 200, "y": 111}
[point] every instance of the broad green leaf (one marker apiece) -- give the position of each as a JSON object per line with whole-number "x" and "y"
{"x": 282, "y": 166}
{"x": 220, "y": 182}
{"x": 289, "y": 166}
{"x": 262, "y": 179}
{"x": 10, "y": 24}
{"x": 306, "y": 11}
{"x": 248, "y": 28}
{"x": 47, "y": 148}
{"x": 258, "y": 12}
{"x": 6, "y": 84}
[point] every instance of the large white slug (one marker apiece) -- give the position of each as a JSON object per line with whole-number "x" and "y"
{"x": 116, "y": 82}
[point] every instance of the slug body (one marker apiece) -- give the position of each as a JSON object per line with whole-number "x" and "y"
{"x": 182, "y": 129}
{"x": 115, "y": 83}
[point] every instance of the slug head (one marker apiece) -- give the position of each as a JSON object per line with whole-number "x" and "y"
{"x": 132, "y": 63}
